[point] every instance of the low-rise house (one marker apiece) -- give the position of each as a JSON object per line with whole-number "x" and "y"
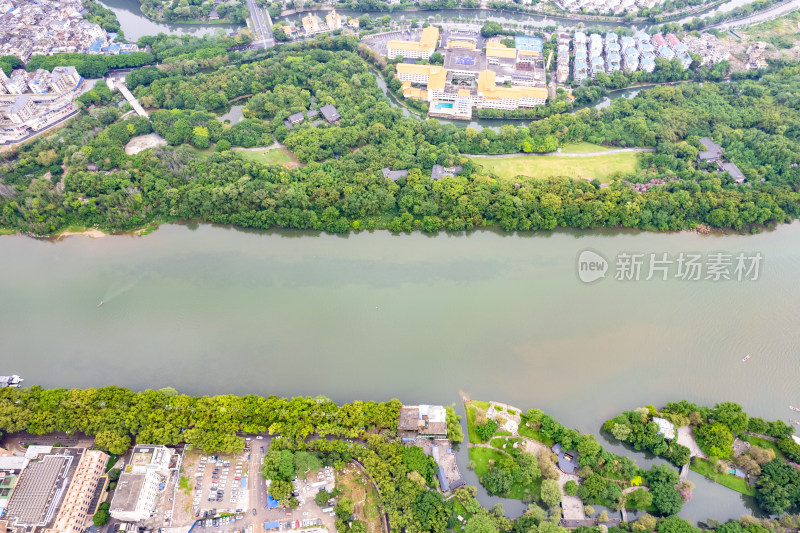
{"x": 295, "y": 118}
{"x": 567, "y": 461}
{"x": 394, "y": 175}
{"x": 330, "y": 113}
{"x": 422, "y": 421}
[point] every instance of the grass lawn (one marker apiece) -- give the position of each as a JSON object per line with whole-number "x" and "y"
{"x": 481, "y": 458}
{"x": 202, "y": 152}
{"x": 768, "y": 444}
{"x": 7, "y": 231}
{"x": 600, "y": 167}
{"x": 526, "y": 431}
{"x": 459, "y": 508}
{"x": 500, "y": 441}
{"x": 481, "y": 405}
{"x": 583, "y": 147}
{"x": 472, "y": 434}
{"x": 276, "y": 156}
{"x": 704, "y": 468}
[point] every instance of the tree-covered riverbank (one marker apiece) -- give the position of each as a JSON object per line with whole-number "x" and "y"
{"x": 341, "y": 187}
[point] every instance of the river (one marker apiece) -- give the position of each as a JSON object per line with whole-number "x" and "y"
{"x": 214, "y": 310}
{"x": 134, "y": 24}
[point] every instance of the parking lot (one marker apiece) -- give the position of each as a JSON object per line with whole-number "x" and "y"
{"x": 379, "y": 42}
{"x": 220, "y": 483}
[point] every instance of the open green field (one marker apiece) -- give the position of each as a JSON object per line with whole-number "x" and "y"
{"x": 526, "y": 431}
{"x": 276, "y": 156}
{"x": 583, "y": 147}
{"x": 482, "y": 456}
{"x": 767, "y": 444}
{"x": 704, "y": 468}
{"x": 600, "y": 167}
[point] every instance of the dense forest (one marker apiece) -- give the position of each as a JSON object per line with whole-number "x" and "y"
{"x": 47, "y": 185}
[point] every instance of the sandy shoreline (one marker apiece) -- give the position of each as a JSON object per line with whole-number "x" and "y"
{"x": 92, "y": 233}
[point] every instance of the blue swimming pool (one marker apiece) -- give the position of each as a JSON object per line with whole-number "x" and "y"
{"x": 442, "y": 105}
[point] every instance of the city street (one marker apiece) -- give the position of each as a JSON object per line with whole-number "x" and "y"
{"x": 262, "y": 29}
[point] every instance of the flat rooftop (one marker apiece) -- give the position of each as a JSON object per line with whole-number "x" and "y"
{"x": 37, "y": 491}
{"x": 127, "y": 492}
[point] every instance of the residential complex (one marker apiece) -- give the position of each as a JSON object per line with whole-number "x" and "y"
{"x": 616, "y": 7}
{"x": 53, "y": 27}
{"x": 497, "y": 77}
{"x": 33, "y": 101}
{"x": 138, "y": 487}
{"x": 51, "y": 490}
{"x": 594, "y": 53}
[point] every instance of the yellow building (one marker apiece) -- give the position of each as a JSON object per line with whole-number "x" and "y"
{"x": 433, "y": 76}
{"x": 461, "y": 45}
{"x": 415, "y": 49}
{"x": 496, "y": 51}
{"x": 490, "y": 95}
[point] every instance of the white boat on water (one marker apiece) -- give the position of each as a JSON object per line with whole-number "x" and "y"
{"x": 11, "y": 381}
{"x": 745, "y": 358}
{"x": 793, "y": 408}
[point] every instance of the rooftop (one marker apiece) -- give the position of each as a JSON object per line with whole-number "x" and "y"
{"x": 330, "y": 113}
{"x": 126, "y": 495}
{"x": 712, "y": 149}
{"x": 34, "y": 495}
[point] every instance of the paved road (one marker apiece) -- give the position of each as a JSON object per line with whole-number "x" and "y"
{"x": 761, "y": 16}
{"x": 258, "y": 487}
{"x": 559, "y": 154}
{"x": 262, "y": 25}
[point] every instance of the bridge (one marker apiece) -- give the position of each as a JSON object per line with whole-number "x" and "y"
{"x": 120, "y": 84}
{"x": 261, "y": 25}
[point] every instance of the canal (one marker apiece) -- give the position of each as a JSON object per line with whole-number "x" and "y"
{"x": 216, "y": 310}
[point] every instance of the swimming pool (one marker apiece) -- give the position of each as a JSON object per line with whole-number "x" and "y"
{"x": 442, "y": 105}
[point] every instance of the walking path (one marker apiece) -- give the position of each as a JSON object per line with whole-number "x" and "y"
{"x": 561, "y": 154}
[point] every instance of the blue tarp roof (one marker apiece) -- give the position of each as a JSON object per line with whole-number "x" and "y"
{"x": 271, "y": 525}
{"x": 243, "y": 483}
{"x": 272, "y": 503}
